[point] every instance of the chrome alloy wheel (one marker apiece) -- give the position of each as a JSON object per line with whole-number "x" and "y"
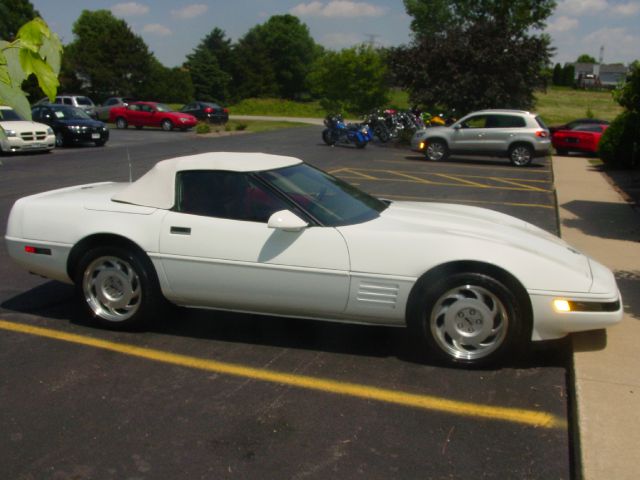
{"x": 521, "y": 155}
{"x": 469, "y": 322}
{"x": 436, "y": 151}
{"x": 112, "y": 288}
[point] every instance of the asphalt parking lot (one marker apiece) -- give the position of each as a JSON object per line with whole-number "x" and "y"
{"x": 217, "y": 395}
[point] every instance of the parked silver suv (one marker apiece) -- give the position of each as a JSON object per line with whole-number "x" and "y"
{"x": 516, "y": 134}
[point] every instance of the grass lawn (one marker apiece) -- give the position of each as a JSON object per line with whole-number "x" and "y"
{"x": 562, "y": 104}
{"x": 255, "y": 126}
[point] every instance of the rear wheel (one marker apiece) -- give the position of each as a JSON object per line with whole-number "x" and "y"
{"x": 470, "y": 319}
{"x": 382, "y": 133}
{"x": 119, "y": 287}
{"x": 328, "y": 137}
{"x": 436, "y": 150}
{"x": 121, "y": 123}
{"x": 521, "y": 155}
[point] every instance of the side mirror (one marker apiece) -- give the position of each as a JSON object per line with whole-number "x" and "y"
{"x": 287, "y": 221}
{"x": 457, "y": 126}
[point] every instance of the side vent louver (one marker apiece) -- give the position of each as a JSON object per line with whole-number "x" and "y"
{"x": 379, "y": 294}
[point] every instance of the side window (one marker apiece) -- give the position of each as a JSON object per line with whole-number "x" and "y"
{"x": 508, "y": 121}
{"x": 478, "y": 121}
{"x": 191, "y": 106}
{"x": 231, "y": 195}
{"x": 67, "y": 101}
{"x": 134, "y": 107}
{"x": 111, "y": 101}
{"x": 58, "y": 100}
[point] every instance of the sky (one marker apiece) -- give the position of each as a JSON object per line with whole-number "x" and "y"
{"x": 173, "y": 28}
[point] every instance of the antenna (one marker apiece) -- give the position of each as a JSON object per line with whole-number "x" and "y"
{"x": 601, "y": 54}
{"x": 129, "y": 161}
{"x": 372, "y": 39}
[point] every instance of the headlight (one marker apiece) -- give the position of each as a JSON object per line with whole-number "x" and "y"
{"x": 11, "y": 133}
{"x": 49, "y": 131}
{"x": 184, "y": 120}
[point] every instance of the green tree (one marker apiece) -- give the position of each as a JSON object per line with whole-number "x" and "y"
{"x": 35, "y": 51}
{"x": 568, "y": 75}
{"x": 14, "y": 14}
{"x": 107, "y": 57}
{"x": 275, "y": 58}
{"x": 585, "y": 58}
{"x": 210, "y": 80}
{"x": 471, "y": 54}
{"x": 557, "y": 78}
{"x": 620, "y": 143}
{"x": 169, "y": 84}
{"x": 354, "y": 80}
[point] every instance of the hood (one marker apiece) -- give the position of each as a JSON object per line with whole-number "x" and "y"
{"x": 23, "y": 125}
{"x": 84, "y": 122}
{"x": 409, "y": 238}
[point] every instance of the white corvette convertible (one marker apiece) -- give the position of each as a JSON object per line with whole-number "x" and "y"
{"x": 270, "y": 234}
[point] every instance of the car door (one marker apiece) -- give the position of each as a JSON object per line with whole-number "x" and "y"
{"x": 470, "y": 135}
{"x": 217, "y": 251}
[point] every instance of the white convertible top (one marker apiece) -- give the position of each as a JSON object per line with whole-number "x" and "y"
{"x": 156, "y": 188}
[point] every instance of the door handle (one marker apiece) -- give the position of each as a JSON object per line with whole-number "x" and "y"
{"x": 181, "y": 230}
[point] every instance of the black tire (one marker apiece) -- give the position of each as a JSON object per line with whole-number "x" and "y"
{"x": 328, "y": 137}
{"x": 382, "y": 133}
{"x": 470, "y": 319}
{"x": 59, "y": 139}
{"x": 119, "y": 287}
{"x": 167, "y": 125}
{"x": 360, "y": 143}
{"x": 121, "y": 123}
{"x": 436, "y": 150}
{"x": 521, "y": 155}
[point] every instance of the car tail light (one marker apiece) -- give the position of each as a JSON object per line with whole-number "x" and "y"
{"x": 208, "y": 110}
{"x": 542, "y": 133}
{"x": 226, "y": 110}
{"x": 37, "y": 250}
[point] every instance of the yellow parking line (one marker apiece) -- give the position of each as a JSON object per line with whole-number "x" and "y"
{"x": 425, "y": 402}
{"x": 457, "y": 179}
{"x": 463, "y": 200}
{"x": 518, "y": 184}
{"x": 405, "y": 175}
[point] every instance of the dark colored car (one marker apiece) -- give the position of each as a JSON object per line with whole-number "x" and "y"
{"x": 207, "y": 111}
{"x": 71, "y": 125}
{"x": 578, "y": 123}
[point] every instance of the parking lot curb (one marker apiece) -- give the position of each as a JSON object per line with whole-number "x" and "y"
{"x": 596, "y": 219}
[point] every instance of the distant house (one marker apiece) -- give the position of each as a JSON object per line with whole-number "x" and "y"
{"x": 590, "y": 75}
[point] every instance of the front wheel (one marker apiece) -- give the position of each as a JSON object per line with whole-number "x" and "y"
{"x": 521, "y": 155}
{"x": 59, "y": 139}
{"x": 470, "y": 319}
{"x": 119, "y": 287}
{"x": 167, "y": 125}
{"x": 327, "y": 136}
{"x": 436, "y": 150}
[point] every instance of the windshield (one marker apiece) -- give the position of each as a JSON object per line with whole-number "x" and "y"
{"x": 69, "y": 113}
{"x": 8, "y": 115}
{"x": 327, "y": 199}
{"x": 161, "y": 107}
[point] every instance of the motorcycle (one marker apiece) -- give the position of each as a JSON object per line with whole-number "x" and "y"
{"x": 376, "y": 123}
{"x": 339, "y": 132}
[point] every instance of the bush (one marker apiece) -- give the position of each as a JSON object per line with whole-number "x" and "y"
{"x": 620, "y": 143}
{"x": 203, "y": 127}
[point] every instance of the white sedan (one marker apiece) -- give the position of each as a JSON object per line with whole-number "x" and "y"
{"x": 270, "y": 234}
{"x": 19, "y": 135}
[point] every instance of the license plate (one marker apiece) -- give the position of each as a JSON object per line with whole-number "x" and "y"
{"x": 95, "y": 136}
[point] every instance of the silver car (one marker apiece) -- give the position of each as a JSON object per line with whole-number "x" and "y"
{"x": 521, "y": 136}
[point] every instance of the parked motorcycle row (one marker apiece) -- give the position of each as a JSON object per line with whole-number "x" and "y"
{"x": 385, "y": 125}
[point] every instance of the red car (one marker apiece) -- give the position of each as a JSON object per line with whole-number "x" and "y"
{"x": 581, "y": 138}
{"x": 150, "y": 114}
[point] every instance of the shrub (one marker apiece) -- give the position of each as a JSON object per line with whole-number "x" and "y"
{"x": 620, "y": 143}
{"x": 241, "y": 126}
{"x": 203, "y": 127}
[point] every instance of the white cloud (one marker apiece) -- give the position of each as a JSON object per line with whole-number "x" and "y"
{"x": 129, "y": 9}
{"x": 618, "y": 43}
{"x": 337, "y": 9}
{"x": 562, "y": 24}
{"x": 627, "y": 9}
{"x": 341, "y": 40}
{"x": 190, "y": 11}
{"x": 582, "y": 7}
{"x": 157, "y": 29}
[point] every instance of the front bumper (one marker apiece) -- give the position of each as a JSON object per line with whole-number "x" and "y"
{"x": 28, "y": 142}
{"x": 87, "y": 134}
